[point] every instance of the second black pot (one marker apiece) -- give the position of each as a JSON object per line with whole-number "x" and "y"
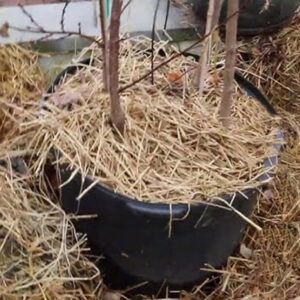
{"x": 253, "y": 20}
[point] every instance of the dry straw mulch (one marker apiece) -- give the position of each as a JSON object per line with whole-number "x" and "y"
{"x": 21, "y": 83}
{"x": 174, "y": 149}
{"x": 41, "y": 257}
{"x": 272, "y": 270}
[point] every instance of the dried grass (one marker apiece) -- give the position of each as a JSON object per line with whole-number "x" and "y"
{"x": 21, "y": 83}
{"x": 274, "y": 270}
{"x": 174, "y": 148}
{"x": 41, "y": 257}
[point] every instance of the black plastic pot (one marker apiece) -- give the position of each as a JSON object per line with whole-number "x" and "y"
{"x": 135, "y": 239}
{"x": 252, "y": 19}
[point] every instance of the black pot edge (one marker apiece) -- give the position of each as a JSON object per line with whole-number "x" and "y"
{"x": 121, "y": 279}
{"x": 179, "y": 209}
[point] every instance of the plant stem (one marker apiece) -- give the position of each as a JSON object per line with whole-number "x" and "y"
{"x": 217, "y": 12}
{"x": 215, "y": 34}
{"x": 202, "y": 67}
{"x": 152, "y": 40}
{"x": 212, "y": 20}
{"x": 231, "y": 38}
{"x": 105, "y": 42}
{"x": 117, "y": 114}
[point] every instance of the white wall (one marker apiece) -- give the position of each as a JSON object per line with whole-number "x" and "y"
{"x": 137, "y": 18}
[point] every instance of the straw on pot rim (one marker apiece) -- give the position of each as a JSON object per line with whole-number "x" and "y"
{"x": 174, "y": 148}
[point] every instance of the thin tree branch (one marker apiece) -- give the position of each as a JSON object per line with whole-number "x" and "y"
{"x": 231, "y": 38}
{"x": 202, "y": 66}
{"x": 117, "y": 114}
{"x": 56, "y": 32}
{"x": 105, "y": 42}
{"x": 152, "y": 39}
{"x": 40, "y": 30}
{"x": 212, "y": 20}
{"x": 167, "y": 14}
{"x": 30, "y": 17}
{"x": 217, "y": 12}
{"x": 125, "y": 6}
{"x": 62, "y": 19}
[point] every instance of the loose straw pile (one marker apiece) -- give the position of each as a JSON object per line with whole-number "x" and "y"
{"x": 174, "y": 148}
{"x": 41, "y": 257}
{"x": 21, "y": 84}
{"x": 273, "y": 64}
{"x": 272, "y": 269}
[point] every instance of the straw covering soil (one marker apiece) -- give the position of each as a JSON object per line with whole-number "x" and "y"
{"x": 272, "y": 271}
{"x": 40, "y": 255}
{"x": 21, "y": 83}
{"x": 174, "y": 148}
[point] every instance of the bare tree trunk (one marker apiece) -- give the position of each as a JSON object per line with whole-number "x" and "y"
{"x": 217, "y": 12}
{"x": 202, "y": 67}
{"x": 231, "y": 38}
{"x": 117, "y": 114}
{"x": 105, "y": 42}
{"x": 212, "y": 19}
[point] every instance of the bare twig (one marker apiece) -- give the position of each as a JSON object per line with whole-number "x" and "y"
{"x": 47, "y": 36}
{"x": 217, "y": 12}
{"x": 122, "y": 89}
{"x": 216, "y": 15}
{"x": 167, "y": 14}
{"x": 152, "y": 40}
{"x": 125, "y": 6}
{"x": 202, "y": 67}
{"x": 40, "y": 30}
{"x": 212, "y": 19}
{"x": 62, "y": 19}
{"x": 117, "y": 114}
{"x": 57, "y": 32}
{"x": 30, "y": 17}
{"x": 231, "y": 37}
{"x": 105, "y": 42}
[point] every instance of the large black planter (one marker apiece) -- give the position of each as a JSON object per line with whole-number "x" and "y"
{"x": 252, "y": 19}
{"x": 135, "y": 238}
